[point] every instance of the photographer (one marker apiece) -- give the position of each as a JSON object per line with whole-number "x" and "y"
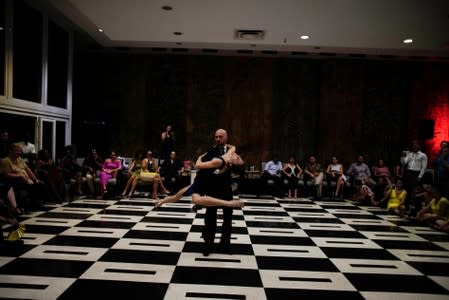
{"x": 168, "y": 142}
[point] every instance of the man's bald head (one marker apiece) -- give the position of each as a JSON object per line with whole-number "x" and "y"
{"x": 221, "y": 137}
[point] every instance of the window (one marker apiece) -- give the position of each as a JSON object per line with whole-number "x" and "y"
{"x": 27, "y": 52}
{"x": 2, "y": 47}
{"x": 58, "y": 59}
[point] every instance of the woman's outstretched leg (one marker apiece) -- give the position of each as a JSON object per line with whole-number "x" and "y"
{"x": 170, "y": 199}
{"x": 211, "y": 201}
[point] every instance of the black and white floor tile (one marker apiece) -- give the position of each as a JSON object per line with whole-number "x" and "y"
{"x": 282, "y": 249}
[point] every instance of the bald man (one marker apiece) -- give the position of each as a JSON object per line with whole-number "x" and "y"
{"x": 220, "y": 187}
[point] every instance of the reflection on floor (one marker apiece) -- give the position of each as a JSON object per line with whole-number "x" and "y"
{"x": 282, "y": 249}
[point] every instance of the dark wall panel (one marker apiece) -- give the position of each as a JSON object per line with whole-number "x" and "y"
{"x": 268, "y": 105}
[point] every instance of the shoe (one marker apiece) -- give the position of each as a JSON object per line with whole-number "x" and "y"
{"x": 207, "y": 250}
{"x": 157, "y": 204}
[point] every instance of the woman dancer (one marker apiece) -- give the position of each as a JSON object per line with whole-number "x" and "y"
{"x": 207, "y": 167}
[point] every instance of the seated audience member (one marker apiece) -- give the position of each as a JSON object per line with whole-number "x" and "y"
{"x": 442, "y": 225}
{"x": 28, "y": 151}
{"x": 92, "y": 166}
{"x": 359, "y": 171}
{"x": 380, "y": 189}
{"x": 364, "y": 196}
{"x": 272, "y": 172}
{"x": 170, "y": 171}
{"x": 134, "y": 170}
{"x": 110, "y": 169}
{"x": 395, "y": 196}
{"x": 151, "y": 162}
{"x": 436, "y": 209}
{"x": 441, "y": 166}
{"x": 72, "y": 170}
{"x": 333, "y": 173}
{"x": 14, "y": 171}
{"x": 48, "y": 172}
{"x": 314, "y": 173}
{"x": 149, "y": 165}
{"x": 381, "y": 170}
{"x": 292, "y": 173}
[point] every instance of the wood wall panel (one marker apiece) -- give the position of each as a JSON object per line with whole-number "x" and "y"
{"x": 296, "y": 103}
{"x": 341, "y": 109}
{"x": 268, "y": 105}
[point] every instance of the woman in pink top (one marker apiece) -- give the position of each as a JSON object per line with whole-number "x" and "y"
{"x": 381, "y": 170}
{"x": 111, "y": 166}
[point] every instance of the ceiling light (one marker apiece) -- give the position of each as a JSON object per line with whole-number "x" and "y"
{"x": 100, "y": 29}
{"x": 408, "y": 41}
{"x": 304, "y": 37}
{"x": 167, "y": 7}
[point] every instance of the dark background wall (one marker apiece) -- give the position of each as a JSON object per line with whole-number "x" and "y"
{"x": 268, "y": 105}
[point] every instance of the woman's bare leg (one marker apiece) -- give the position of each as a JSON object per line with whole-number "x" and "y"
{"x": 211, "y": 201}
{"x": 156, "y": 183}
{"x": 128, "y": 184}
{"x": 134, "y": 182}
{"x": 12, "y": 202}
{"x": 161, "y": 185}
{"x": 174, "y": 198}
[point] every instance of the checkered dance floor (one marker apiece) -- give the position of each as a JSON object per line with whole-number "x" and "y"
{"x": 282, "y": 249}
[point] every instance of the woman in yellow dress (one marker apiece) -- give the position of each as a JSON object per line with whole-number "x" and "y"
{"x": 436, "y": 209}
{"x": 134, "y": 174}
{"x": 396, "y": 195}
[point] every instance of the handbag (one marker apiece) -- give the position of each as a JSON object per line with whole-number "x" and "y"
{"x": 146, "y": 176}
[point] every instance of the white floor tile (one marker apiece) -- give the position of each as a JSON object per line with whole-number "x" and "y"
{"x": 305, "y": 280}
{"x": 152, "y": 226}
{"x": 421, "y": 255}
{"x": 96, "y": 232}
{"x": 288, "y": 251}
{"x": 40, "y": 221}
{"x": 374, "y": 266}
{"x": 115, "y": 218}
{"x": 65, "y": 253}
{"x": 442, "y": 280}
{"x": 345, "y": 243}
{"x": 277, "y": 232}
{"x": 149, "y": 245}
{"x": 325, "y": 226}
{"x": 51, "y": 287}
{"x": 281, "y": 219}
{"x": 394, "y": 236}
{"x": 217, "y": 260}
{"x": 76, "y": 210}
{"x": 6, "y": 259}
{"x": 185, "y": 291}
{"x": 373, "y": 222}
{"x": 235, "y": 238}
{"x": 36, "y": 238}
{"x": 401, "y": 296}
{"x": 124, "y": 272}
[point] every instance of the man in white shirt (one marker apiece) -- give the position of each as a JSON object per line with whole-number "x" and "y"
{"x": 272, "y": 172}
{"x": 415, "y": 163}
